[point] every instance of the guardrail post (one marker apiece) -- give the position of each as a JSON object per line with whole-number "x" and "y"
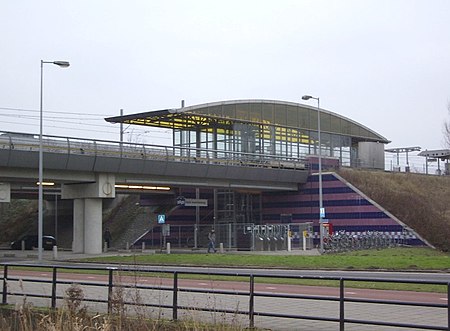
{"x": 54, "y": 288}
{"x": 110, "y": 289}
{"x": 175, "y": 296}
{"x": 251, "y": 308}
{"x": 341, "y": 305}
{"x": 5, "y": 287}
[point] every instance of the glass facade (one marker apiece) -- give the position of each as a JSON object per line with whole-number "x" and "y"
{"x": 259, "y": 127}
{"x": 280, "y": 129}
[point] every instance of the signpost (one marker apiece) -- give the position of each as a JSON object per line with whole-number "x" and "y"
{"x": 182, "y": 201}
{"x": 197, "y": 203}
{"x": 161, "y": 219}
{"x": 322, "y": 212}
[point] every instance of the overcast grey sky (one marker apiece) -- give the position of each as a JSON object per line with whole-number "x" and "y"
{"x": 384, "y": 64}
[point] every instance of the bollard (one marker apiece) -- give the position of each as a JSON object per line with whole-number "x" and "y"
{"x": 304, "y": 243}
{"x": 127, "y": 247}
{"x": 289, "y": 243}
{"x": 105, "y": 247}
{"x": 55, "y": 252}
{"x": 168, "y": 248}
{"x": 143, "y": 247}
{"x": 221, "y": 248}
{"x": 23, "y": 245}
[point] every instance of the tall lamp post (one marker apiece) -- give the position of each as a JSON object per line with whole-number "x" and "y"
{"x": 62, "y": 64}
{"x": 321, "y": 209}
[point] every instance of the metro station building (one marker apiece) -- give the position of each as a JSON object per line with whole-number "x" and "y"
{"x": 257, "y": 132}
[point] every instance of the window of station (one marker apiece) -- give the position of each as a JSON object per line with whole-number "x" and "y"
{"x": 229, "y": 111}
{"x": 243, "y": 111}
{"x": 176, "y": 137}
{"x": 336, "y": 146}
{"x": 280, "y": 115}
{"x": 345, "y": 127}
{"x": 214, "y": 111}
{"x": 296, "y": 138}
{"x": 267, "y": 113}
{"x": 304, "y": 118}
{"x": 335, "y": 124}
{"x": 255, "y": 112}
{"x": 292, "y": 115}
{"x": 355, "y": 130}
{"x": 325, "y": 143}
{"x": 314, "y": 142}
{"x": 325, "y": 122}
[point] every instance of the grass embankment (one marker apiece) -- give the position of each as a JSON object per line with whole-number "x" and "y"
{"x": 392, "y": 259}
{"x": 395, "y": 259}
{"x": 420, "y": 201}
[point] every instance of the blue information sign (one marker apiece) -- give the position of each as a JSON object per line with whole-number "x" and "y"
{"x": 161, "y": 219}
{"x": 322, "y": 212}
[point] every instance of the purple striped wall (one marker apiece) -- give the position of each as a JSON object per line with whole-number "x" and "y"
{"x": 345, "y": 208}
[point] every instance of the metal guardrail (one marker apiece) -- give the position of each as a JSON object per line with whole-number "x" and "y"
{"x": 252, "y": 294}
{"x": 126, "y": 150}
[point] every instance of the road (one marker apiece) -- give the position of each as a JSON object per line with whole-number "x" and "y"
{"x": 382, "y": 275}
{"x": 328, "y": 309}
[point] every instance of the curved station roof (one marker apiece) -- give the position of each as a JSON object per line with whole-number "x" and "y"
{"x": 224, "y": 114}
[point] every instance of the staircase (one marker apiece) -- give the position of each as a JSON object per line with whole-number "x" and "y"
{"x": 136, "y": 227}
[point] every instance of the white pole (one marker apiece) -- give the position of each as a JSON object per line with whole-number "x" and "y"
{"x": 320, "y": 177}
{"x": 62, "y": 64}
{"x": 289, "y": 242}
{"x": 304, "y": 242}
{"x": 40, "y": 198}
{"x": 55, "y": 252}
{"x": 121, "y": 128}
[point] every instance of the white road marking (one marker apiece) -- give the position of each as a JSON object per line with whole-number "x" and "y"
{"x": 270, "y": 288}
{"x": 445, "y": 299}
{"x": 90, "y": 277}
{"x": 203, "y": 284}
{"x": 350, "y": 292}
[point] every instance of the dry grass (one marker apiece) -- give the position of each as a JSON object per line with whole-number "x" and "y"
{"x": 73, "y": 315}
{"x": 420, "y": 201}
{"x": 16, "y": 217}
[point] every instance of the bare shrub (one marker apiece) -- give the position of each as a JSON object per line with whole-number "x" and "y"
{"x": 74, "y": 299}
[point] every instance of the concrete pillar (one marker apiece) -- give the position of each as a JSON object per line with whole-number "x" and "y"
{"x": 5, "y": 192}
{"x": 87, "y": 232}
{"x": 93, "y": 226}
{"x": 78, "y": 226}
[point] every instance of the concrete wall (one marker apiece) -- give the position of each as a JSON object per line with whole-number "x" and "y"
{"x": 371, "y": 155}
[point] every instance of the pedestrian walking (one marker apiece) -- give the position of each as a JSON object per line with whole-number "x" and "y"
{"x": 212, "y": 241}
{"x": 107, "y": 237}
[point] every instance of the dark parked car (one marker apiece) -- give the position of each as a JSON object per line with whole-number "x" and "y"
{"x": 32, "y": 241}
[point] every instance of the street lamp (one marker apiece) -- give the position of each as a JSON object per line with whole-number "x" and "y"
{"x": 62, "y": 64}
{"x": 321, "y": 209}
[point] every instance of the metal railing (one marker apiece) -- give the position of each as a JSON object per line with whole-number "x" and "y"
{"x": 108, "y": 148}
{"x": 112, "y": 280}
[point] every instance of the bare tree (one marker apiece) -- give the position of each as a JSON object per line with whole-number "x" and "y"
{"x": 446, "y": 129}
